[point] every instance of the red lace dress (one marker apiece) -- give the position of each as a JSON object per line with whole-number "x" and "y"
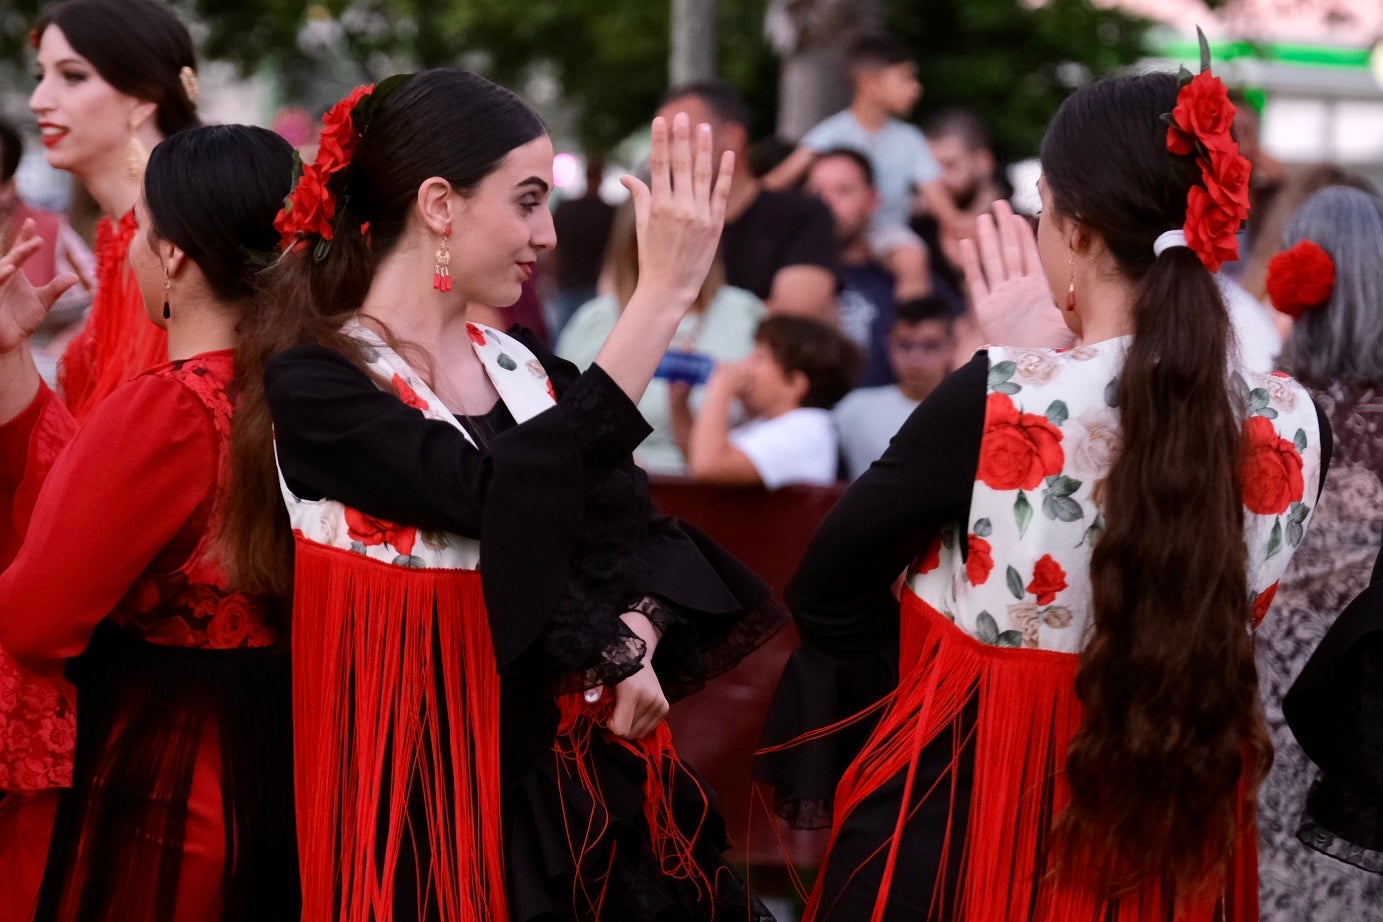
{"x": 118, "y": 341}
{"x": 179, "y": 776}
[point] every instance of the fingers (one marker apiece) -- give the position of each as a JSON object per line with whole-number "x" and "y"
{"x": 640, "y": 194}
{"x": 682, "y": 159}
{"x": 639, "y": 706}
{"x": 658, "y": 159}
{"x": 25, "y": 245}
{"x": 970, "y": 266}
{"x": 49, "y": 294}
{"x": 1009, "y": 246}
{"x": 991, "y": 256}
{"x": 1027, "y": 241}
{"x": 720, "y": 195}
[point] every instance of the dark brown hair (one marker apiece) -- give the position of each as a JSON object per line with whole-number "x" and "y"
{"x": 822, "y": 353}
{"x": 1172, "y": 721}
{"x": 445, "y": 122}
{"x": 137, "y": 46}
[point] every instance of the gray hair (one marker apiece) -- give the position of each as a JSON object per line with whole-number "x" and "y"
{"x": 1344, "y": 339}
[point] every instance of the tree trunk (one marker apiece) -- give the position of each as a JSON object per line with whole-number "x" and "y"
{"x": 810, "y": 37}
{"x": 693, "y": 44}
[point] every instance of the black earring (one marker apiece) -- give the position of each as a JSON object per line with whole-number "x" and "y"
{"x": 166, "y": 284}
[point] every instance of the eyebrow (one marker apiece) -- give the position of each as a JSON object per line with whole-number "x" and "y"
{"x": 534, "y": 181}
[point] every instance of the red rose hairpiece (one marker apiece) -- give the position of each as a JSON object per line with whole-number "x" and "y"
{"x": 314, "y": 206}
{"x": 1199, "y": 126}
{"x": 1301, "y": 279}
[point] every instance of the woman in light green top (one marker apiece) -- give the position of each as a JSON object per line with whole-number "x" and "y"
{"x": 720, "y": 325}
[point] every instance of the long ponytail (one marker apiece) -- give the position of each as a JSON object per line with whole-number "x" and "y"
{"x": 1172, "y": 723}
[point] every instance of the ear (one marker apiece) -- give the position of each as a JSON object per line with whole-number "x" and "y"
{"x": 141, "y": 112}
{"x": 800, "y": 384}
{"x": 436, "y": 201}
{"x": 1078, "y": 237}
{"x": 173, "y": 257}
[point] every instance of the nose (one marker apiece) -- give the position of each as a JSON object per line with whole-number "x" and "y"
{"x": 544, "y": 236}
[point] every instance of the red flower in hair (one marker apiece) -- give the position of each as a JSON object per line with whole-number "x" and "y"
{"x": 339, "y": 138}
{"x": 1210, "y": 229}
{"x": 1227, "y": 180}
{"x": 1300, "y": 279}
{"x": 309, "y": 209}
{"x": 1203, "y": 112}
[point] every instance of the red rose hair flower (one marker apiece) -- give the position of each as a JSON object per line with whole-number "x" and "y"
{"x": 1301, "y": 279}
{"x": 310, "y": 209}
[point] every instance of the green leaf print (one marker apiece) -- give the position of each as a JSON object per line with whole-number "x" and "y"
{"x": 358, "y": 547}
{"x": 1275, "y": 539}
{"x": 1299, "y": 440}
{"x": 1010, "y": 639}
{"x": 505, "y": 362}
{"x": 1022, "y": 512}
{"x": 986, "y": 628}
{"x": 1015, "y": 583}
{"x": 983, "y": 528}
{"x": 1000, "y": 373}
{"x": 406, "y": 560}
{"x": 1058, "y": 412}
{"x": 948, "y": 538}
{"x": 1296, "y": 523}
{"x": 1111, "y": 393}
{"x": 1057, "y": 502}
{"x": 1008, "y": 387}
{"x": 1258, "y": 403}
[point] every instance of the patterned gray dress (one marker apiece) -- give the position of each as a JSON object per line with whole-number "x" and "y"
{"x": 1331, "y": 567}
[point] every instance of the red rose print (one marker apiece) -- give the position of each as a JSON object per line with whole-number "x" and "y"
{"x": 931, "y": 557}
{"x": 550, "y": 392}
{"x": 1047, "y": 580}
{"x": 1270, "y": 468}
{"x": 476, "y": 334}
{"x": 1263, "y": 603}
{"x": 370, "y": 531}
{"x": 1204, "y": 111}
{"x": 230, "y": 625}
{"x": 407, "y": 394}
{"x": 1019, "y": 449}
{"x": 980, "y": 562}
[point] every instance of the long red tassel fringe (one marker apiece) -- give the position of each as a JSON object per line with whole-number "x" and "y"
{"x": 368, "y": 726}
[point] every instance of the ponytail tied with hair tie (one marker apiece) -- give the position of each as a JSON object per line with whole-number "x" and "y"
{"x": 1301, "y": 279}
{"x": 1168, "y": 239}
{"x": 317, "y": 202}
{"x": 1199, "y": 126}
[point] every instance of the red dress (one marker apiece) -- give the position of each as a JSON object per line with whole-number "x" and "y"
{"x": 118, "y": 341}
{"x": 117, "y": 578}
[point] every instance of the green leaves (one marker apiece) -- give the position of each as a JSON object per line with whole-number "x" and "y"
{"x": 1259, "y": 398}
{"x": 1205, "y": 50}
{"x": 1057, "y": 503}
{"x": 1022, "y": 512}
{"x": 1058, "y": 412}
{"x": 506, "y": 362}
{"x": 999, "y": 376}
{"x": 1299, "y": 440}
{"x": 983, "y": 528}
{"x": 1275, "y": 539}
{"x": 986, "y": 628}
{"x": 1015, "y": 583}
{"x": 1296, "y": 523}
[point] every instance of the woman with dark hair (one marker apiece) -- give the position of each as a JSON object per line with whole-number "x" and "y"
{"x": 1329, "y": 280}
{"x": 178, "y": 803}
{"x": 1089, "y": 536}
{"x": 488, "y": 617}
{"x": 115, "y": 77}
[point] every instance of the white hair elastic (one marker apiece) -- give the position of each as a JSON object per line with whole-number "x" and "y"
{"x": 1172, "y": 238}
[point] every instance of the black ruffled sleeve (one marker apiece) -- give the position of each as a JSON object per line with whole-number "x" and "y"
{"x": 842, "y": 595}
{"x": 552, "y": 583}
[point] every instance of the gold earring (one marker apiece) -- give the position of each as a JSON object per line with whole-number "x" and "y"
{"x": 135, "y": 156}
{"x": 167, "y": 284}
{"x": 441, "y": 275}
{"x": 1071, "y": 285}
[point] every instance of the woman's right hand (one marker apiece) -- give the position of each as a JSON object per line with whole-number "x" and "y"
{"x": 1012, "y": 301}
{"x": 22, "y": 306}
{"x": 680, "y": 215}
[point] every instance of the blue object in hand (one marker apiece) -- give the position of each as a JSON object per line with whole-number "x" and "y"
{"x": 690, "y": 368}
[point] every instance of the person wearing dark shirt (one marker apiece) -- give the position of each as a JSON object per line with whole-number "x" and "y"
{"x": 583, "y": 225}
{"x": 779, "y": 245}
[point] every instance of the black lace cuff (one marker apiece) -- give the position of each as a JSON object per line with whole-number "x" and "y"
{"x": 607, "y": 425}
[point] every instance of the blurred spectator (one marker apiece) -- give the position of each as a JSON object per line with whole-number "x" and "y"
{"x": 63, "y": 250}
{"x": 960, "y": 142}
{"x": 778, "y": 245}
{"x": 919, "y": 349}
{"x": 1336, "y": 351}
{"x": 885, "y": 86}
{"x": 720, "y": 327}
{"x": 844, "y": 179}
{"x": 583, "y": 230}
{"x": 798, "y": 370}
{"x": 766, "y": 153}
{"x": 1266, "y": 180}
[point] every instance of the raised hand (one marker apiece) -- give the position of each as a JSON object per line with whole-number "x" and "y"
{"x": 22, "y": 306}
{"x": 680, "y": 215}
{"x": 1008, "y": 289}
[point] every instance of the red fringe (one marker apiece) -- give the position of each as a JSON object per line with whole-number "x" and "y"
{"x": 118, "y": 341}
{"x": 672, "y": 846}
{"x": 1027, "y": 714}
{"x": 367, "y": 728}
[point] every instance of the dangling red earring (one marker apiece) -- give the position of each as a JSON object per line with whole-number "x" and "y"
{"x": 1071, "y": 286}
{"x": 441, "y": 275}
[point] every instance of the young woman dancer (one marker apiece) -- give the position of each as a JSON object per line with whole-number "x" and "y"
{"x": 179, "y": 782}
{"x": 1093, "y": 533}
{"x": 115, "y": 77}
{"x": 488, "y": 617}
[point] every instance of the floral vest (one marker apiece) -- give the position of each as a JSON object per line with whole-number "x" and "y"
{"x": 524, "y": 387}
{"x": 1051, "y": 433}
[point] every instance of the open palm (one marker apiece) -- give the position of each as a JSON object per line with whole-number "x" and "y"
{"x": 1012, "y": 301}
{"x": 22, "y": 306}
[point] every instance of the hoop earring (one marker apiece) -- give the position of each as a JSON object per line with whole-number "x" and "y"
{"x": 135, "y": 156}
{"x": 441, "y": 275}
{"x": 167, "y": 284}
{"x": 1071, "y": 285}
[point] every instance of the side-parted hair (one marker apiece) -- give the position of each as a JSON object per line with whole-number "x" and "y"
{"x": 1343, "y": 340}
{"x": 137, "y": 46}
